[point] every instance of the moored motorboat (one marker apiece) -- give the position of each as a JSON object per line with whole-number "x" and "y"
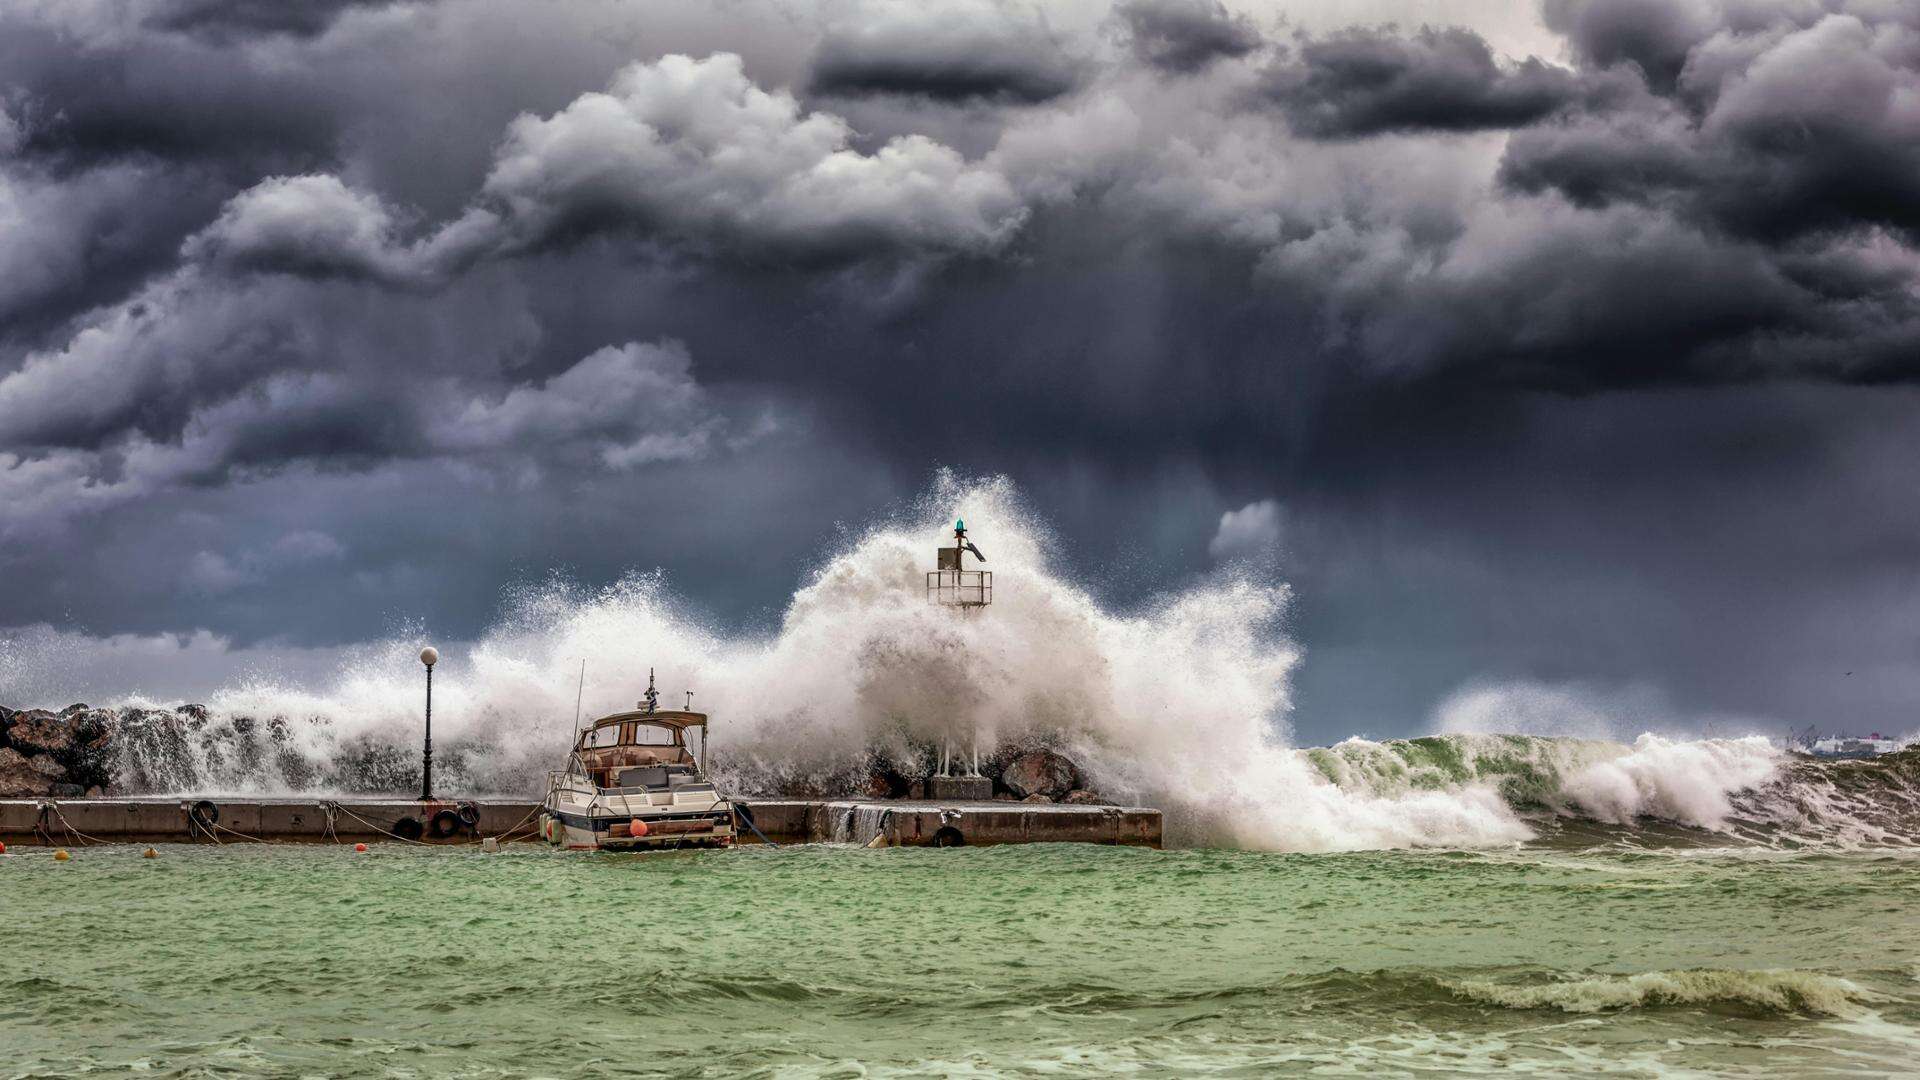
{"x": 632, "y": 783}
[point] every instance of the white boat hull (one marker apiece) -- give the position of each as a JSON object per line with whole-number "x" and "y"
{"x": 608, "y": 822}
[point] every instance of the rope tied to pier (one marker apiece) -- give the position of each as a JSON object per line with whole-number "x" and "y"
{"x": 509, "y": 830}
{"x": 241, "y": 835}
{"x": 384, "y": 832}
{"x": 68, "y": 825}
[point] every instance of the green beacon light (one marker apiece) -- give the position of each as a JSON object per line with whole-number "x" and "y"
{"x": 960, "y": 525}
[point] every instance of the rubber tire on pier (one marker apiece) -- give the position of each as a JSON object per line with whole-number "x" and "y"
{"x": 469, "y": 812}
{"x": 203, "y": 816}
{"x": 409, "y": 828}
{"x": 446, "y": 825}
{"x": 948, "y": 836}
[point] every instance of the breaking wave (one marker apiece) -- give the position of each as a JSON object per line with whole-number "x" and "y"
{"x": 1182, "y": 703}
{"x": 1777, "y": 991}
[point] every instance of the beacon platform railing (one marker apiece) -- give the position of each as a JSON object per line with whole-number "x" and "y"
{"x": 961, "y": 588}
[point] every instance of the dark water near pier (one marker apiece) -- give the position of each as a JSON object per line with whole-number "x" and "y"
{"x": 274, "y": 961}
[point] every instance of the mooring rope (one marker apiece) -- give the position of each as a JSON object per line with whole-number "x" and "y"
{"x": 509, "y": 830}
{"x": 378, "y": 829}
{"x": 68, "y": 825}
{"x": 240, "y": 834}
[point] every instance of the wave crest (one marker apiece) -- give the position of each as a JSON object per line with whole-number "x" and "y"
{"x": 1782, "y": 991}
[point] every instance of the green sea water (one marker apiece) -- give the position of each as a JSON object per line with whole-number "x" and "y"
{"x": 292, "y": 961}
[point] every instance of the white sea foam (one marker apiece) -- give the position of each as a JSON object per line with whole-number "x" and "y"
{"x": 1182, "y": 702}
{"x": 1689, "y": 782}
{"x": 1776, "y": 990}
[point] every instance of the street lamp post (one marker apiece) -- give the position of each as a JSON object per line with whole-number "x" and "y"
{"x": 428, "y": 656}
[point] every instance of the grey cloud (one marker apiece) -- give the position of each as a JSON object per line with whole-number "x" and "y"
{"x": 1813, "y": 130}
{"x": 1364, "y": 82}
{"x": 1254, "y": 531}
{"x": 693, "y": 148}
{"x": 681, "y": 152}
{"x": 1653, "y": 35}
{"x": 84, "y": 94}
{"x": 72, "y": 242}
{"x": 411, "y": 280}
{"x": 1184, "y": 36}
{"x": 632, "y": 405}
{"x": 619, "y": 408}
{"x": 223, "y": 20}
{"x": 313, "y": 226}
{"x": 952, "y": 53}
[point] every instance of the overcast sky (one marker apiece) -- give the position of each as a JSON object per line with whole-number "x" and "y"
{"x": 1570, "y": 343}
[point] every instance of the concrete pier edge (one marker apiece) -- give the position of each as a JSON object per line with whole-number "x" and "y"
{"x": 909, "y": 823}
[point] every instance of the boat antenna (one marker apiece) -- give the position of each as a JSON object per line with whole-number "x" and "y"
{"x": 579, "y": 692}
{"x": 653, "y": 696}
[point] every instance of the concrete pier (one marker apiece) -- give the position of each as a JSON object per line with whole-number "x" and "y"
{"x": 918, "y": 823}
{"x": 927, "y": 823}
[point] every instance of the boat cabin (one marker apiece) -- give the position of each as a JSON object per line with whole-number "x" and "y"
{"x": 642, "y": 751}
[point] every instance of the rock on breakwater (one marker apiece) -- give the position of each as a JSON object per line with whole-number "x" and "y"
{"x": 67, "y": 753}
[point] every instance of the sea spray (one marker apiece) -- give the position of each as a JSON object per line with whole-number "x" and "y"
{"x": 1181, "y": 702}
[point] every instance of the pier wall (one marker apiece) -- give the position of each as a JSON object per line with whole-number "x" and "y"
{"x": 74, "y": 822}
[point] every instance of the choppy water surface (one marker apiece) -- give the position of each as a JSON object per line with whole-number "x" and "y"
{"x": 1044, "y": 960}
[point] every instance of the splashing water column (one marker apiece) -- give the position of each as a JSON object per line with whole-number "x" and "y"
{"x": 951, "y": 585}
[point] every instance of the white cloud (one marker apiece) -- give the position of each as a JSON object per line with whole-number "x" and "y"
{"x": 693, "y": 148}
{"x": 1252, "y": 532}
{"x": 312, "y": 225}
{"x": 682, "y": 150}
{"x": 634, "y": 404}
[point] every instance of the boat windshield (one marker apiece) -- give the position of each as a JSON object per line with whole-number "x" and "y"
{"x": 637, "y": 734}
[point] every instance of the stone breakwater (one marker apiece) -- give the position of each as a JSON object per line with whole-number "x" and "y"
{"x": 1019, "y": 774}
{"x": 67, "y": 753}
{"x": 81, "y": 751}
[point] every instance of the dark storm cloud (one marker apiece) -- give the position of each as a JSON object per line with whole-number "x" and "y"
{"x": 956, "y": 55}
{"x": 1184, "y": 36}
{"x": 161, "y": 96}
{"x": 1788, "y": 130}
{"x": 227, "y": 19}
{"x": 1654, "y": 36}
{"x": 503, "y": 280}
{"x": 1364, "y": 82}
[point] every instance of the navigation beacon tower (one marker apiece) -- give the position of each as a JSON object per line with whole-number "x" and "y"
{"x": 965, "y": 591}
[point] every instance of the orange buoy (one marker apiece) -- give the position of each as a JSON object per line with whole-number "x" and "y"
{"x": 61, "y": 855}
{"x": 636, "y": 827}
{"x": 149, "y": 854}
{"x": 359, "y": 847}
{"x": 3, "y": 849}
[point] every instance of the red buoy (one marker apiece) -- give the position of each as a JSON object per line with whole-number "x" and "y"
{"x": 636, "y": 827}
{"x": 359, "y": 847}
{"x": 3, "y": 849}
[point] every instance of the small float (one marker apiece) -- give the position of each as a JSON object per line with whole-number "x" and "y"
{"x": 632, "y": 783}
